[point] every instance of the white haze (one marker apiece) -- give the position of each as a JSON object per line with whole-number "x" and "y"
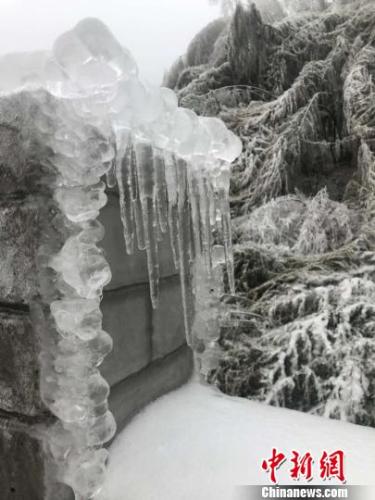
{"x": 156, "y": 31}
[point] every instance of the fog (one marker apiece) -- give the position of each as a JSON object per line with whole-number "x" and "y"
{"x": 156, "y": 31}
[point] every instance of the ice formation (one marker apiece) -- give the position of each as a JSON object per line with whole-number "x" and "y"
{"x": 168, "y": 159}
{"x": 172, "y": 171}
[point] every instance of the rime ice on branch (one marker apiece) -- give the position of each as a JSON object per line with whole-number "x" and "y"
{"x": 303, "y": 200}
{"x": 172, "y": 170}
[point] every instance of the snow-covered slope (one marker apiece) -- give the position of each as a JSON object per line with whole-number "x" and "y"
{"x": 199, "y": 444}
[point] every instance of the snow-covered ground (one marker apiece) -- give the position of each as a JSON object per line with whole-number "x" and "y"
{"x": 198, "y": 444}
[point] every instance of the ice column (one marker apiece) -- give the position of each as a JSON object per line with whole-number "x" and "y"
{"x": 71, "y": 384}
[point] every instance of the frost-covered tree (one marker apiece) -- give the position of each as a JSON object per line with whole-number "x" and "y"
{"x": 300, "y": 94}
{"x": 270, "y": 9}
{"x": 288, "y": 6}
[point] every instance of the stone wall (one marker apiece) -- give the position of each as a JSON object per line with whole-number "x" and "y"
{"x": 23, "y": 417}
{"x": 150, "y": 355}
{"x": 24, "y": 209}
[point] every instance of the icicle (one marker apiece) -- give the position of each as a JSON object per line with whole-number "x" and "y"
{"x": 157, "y": 211}
{"x": 212, "y": 205}
{"x": 126, "y": 209}
{"x": 146, "y": 185}
{"x": 192, "y": 237}
{"x": 161, "y": 193}
{"x": 172, "y": 223}
{"x": 227, "y": 240}
{"x": 111, "y": 176}
{"x": 135, "y": 197}
{"x": 156, "y": 223}
{"x": 133, "y": 173}
{"x": 194, "y": 197}
{"x": 171, "y": 180}
{"x": 183, "y": 241}
{"x": 206, "y": 233}
{"x": 151, "y": 241}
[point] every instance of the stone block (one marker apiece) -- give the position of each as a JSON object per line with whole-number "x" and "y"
{"x": 19, "y": 223}
{"x": 168, "y": 332}
{"x": 127, "y": 318}
{"x": 22, "y": 465}
{"x": 128, "y": 269}
{"x": 26, "y": 225}
{"x": 129, "y": 396}
{"x": 19, "y": 367}
{"x": 25, "y": 165}
{"x": 24, "y": 469}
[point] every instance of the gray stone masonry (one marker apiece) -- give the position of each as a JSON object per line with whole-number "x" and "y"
{"x": 150, "y": 356}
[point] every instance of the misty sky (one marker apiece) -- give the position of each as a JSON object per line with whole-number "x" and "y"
{"x": 156, "y": 31}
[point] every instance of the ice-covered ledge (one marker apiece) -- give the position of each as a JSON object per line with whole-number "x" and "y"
{"x": 147, "y": 360}
{"x": 95, "y": 118}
